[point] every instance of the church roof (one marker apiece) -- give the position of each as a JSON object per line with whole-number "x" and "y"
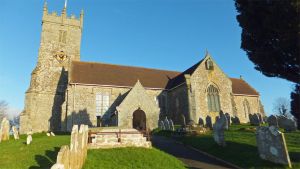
{"x": 117, "y": 75}
{"x": 127, "y": 76}
{"x": 239, "y": 86}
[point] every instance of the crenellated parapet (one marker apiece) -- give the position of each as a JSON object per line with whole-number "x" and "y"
{"x": 63, "y": 18}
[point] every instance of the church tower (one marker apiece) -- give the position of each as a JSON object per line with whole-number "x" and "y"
{"x": 59, "y": 46}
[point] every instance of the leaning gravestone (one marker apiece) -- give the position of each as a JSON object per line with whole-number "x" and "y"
{"x": 167, "y": 125}
{"x": 272, "y": 146}
{"x": 254, "y": 119}
{"x": 272, "y": 121}
{"x": 218, "y": 129}
{"x": 15, "y": 132}
{"x": 287, "y": 124}
{"x": 4, "y": 129}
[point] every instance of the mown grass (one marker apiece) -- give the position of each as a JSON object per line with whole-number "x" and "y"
{"x": 131, "y": 158}
{"x": 15, "y": 154}
{"x": 42, "y": 153}
{"x": 241, "y": 147}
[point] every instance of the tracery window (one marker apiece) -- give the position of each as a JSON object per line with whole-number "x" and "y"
{"x": 213, "y": 99}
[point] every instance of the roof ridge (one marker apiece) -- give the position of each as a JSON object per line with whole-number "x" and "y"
{"x": 129, "y": 66}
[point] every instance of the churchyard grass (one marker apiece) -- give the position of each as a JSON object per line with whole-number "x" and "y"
{"x": 41, "y": 153}
{"x": 131, "y": 158}
{"x": 241, "y": 147}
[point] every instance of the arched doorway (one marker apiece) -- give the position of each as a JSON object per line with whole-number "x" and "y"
{"x": 139, "y": 120}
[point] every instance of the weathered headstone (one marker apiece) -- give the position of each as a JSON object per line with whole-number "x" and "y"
{"x": 218, "y": 129}
{"x": 271, "y": 145}
{"x": 254, "y": 119}
{"x": 4, "y": 129}
{"x": 29, "y": 138}
{"x": 228, "y": 118}
{"x": 167, "y": 125}
{"x": 183, "y": 122}
{"x": 52, "y": 134}
{"x": 208, "y": 122}
{"x": 171, "y": 125}
{"x": 287, "y": 124}
{"x": 48, "y": 134}
{"x": 235, "y": 120}
{"x": 15, "y": 132}
{"x": 58, "y": 166}
{"x": 261, "y": 121}
{"x": 201, "y": 122}
{"x": 162, "y": 125}
{"x": 272, "y": 121}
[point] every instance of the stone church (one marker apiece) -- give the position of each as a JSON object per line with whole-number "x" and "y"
{"x": 65, "y": 91}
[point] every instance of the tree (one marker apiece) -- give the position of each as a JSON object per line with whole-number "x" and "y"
{"x": 295, "y": 104}
{"x": 3, "y": 109}
{"x": 270, "y": 36}
{"x": 281, "y": 107}
{"x": 271, "y": 39}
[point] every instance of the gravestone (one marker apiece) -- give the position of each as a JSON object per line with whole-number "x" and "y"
{"x": 208, "y": 122}
{"x": 162, "y": 125}
{"x": 15, "y": 132}
{"x": 235, "y": 120}
{"x": 272, "y": 121}
{"x": 254, "y": 119}
{"x": 261, "y": 121}
{"x": 183, "y": 122}
{"x": 228, "y": 118}
{"x": 171, "y": 125}
{"x": 167, "y": 125}
{"x": 4, "y": 129}
{"x": 271, "y": 145}
{"x": 52, "y": 134}
{"x": 58, "y": 166}
{"x": 48, "y": 134}
{"x": 201, "y": 122}
{"x": 29, "y": 138}
{"x": 218, "y": 129}
{"x": 287, "y": 124}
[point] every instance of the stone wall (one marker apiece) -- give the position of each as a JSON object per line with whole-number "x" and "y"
{"x": 254, "y": 104}
{"x": 200, "y": 81}
{"x": 49, "y": 79}
{"x": 80, "y": 106}
{"x": 73, "y": 157}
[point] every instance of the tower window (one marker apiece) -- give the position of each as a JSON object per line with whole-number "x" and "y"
{"x": 213, "y": 99}
{"x": 62, "y": 36}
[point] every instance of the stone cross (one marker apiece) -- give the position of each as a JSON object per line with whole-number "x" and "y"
{"x": 218, "y": 129}
{"x": 272, "y": 146}
{"x": 16, "y": 133}
{"x": 4, "y": 129}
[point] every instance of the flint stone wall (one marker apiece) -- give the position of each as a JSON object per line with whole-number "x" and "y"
{"x": 73, "y": 157}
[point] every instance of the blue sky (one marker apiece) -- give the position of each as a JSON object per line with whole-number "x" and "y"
{"x": 163, "y": 34}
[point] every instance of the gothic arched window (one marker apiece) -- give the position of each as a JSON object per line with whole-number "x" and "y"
{"x": 213, "y": 99}
{"x": 246, "y": 108}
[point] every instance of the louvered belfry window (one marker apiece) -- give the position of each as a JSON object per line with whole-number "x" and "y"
{"x": 213, "y": 99}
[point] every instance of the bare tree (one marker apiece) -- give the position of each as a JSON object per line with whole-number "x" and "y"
{"x": 3, "y": 109}
{"x": 281, "y": 106}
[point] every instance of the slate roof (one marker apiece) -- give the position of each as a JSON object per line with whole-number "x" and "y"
{"x": 127, "y": 76}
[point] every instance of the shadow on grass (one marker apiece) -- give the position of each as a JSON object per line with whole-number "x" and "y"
{"x": 295, "y": 156}
{"x": 47, "y": 160}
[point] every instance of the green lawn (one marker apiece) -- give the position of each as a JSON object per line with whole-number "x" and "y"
{"x": 131, "y": 158}
{"x": 241, "y": 147}
{"x": 41, "y": 154}
{"x": 15, "y": 154}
